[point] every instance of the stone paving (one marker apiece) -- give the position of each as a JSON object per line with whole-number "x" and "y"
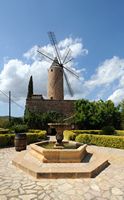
{"x": 17, "y": 185}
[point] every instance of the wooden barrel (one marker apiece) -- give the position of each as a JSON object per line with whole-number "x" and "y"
{"x": 20, "y": 141}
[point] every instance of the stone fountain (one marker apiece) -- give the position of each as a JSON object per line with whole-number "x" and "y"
{"x": 59, "y": 158}
{"x": 59, "y": 151}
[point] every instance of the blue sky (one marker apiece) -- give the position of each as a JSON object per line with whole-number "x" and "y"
{"x": 97, "y": 23}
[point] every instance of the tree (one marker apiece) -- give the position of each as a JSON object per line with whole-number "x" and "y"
{"x": 96, "y": 114}
{"x": 40, "y": 120}
{"x": 122, "y": 114}
{"x": 30, "y": 88}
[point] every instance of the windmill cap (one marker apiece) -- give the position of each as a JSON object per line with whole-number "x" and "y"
{"x": 55, "y": 62}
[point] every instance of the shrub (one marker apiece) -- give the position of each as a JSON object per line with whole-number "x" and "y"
{"x": 86, "y": 131}
{"x": 120, "y": 132}
{"x": 34, "y": 130}
{"x": 20, "y": 128}
{"x": 108, "y": 130}
{"x": 35, "y": 137}
{"x": 40, "y": 120}
{"x": 84, "y": 138}
{"x": 94, "y": 131}
{"x": 102, "y": 140}
{"x": 4, "y": 131}
{"x": 7, "y": 140}
{"x": 69, "y": 135}
{"x": 4, "y": 122}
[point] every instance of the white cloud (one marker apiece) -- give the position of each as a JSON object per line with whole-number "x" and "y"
{"x": 14, "y": 77}
{"x": 117, "y": 96}
{"x": 16, "y": 73}
{"x": 76, "y": 46}
{"x": 109, "y": 71}
{"x": 107, "y": 82}
{"x": 108, "y": 79}
{"x": 32, "y": 53}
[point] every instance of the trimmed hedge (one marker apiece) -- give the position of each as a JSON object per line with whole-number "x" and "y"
{"x": 34, "y": 130}
{"x": 97, "y": 132}
{"x": 87, "y": 131}
{"x": 69, "y": 135}
{"x": 35, "y": 137}
{"x": 4, "y": 131}
{"x": 120, "y": 132}
{"x": 7, "y": 140}
{"x": 101, "y": 140}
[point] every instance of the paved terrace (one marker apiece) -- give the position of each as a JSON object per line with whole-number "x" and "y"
{"x": 17, "y": 185}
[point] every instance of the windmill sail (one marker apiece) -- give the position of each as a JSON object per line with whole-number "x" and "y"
{"x": 57, "y": 71}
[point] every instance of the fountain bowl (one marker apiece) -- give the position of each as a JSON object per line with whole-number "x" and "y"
{"x": 74, "y": 155}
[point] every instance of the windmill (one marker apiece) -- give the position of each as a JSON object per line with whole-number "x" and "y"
{"x": 57, "y": 71}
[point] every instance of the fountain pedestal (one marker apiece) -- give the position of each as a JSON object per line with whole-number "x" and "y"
{"x": 59, "y": 143}
{"x": 59, "y": 128}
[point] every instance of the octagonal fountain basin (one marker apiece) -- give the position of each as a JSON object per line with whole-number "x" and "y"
{"x": 71, "y": 153}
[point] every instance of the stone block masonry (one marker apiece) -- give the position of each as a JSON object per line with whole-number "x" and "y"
{"x": 65, "y": 107}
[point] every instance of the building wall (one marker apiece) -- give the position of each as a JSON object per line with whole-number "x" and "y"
{"x": 65, "y": 107}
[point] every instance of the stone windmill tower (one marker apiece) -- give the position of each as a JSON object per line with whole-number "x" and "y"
{"x": 55, "y": 81}
{"x": 56, "y": 72}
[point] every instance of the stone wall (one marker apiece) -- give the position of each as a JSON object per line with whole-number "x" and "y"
{"x": 65, "y": 107}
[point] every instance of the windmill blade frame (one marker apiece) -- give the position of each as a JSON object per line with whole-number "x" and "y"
{"x": 66, "y": 56}
{"x": 45, "y": 55}
{"x": 54, "y": 44}
{"x": 71, "y": 71}
{"x": 68, "y": 61}
{"x": 68, "y": 84}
